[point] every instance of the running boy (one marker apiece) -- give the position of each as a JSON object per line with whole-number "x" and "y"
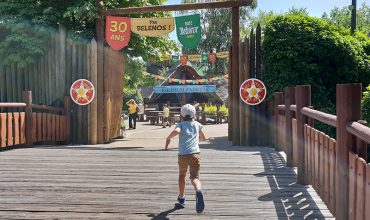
{"x": 190, "y": 132}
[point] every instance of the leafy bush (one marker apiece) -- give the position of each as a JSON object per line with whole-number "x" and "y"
{"x": 211, "y": 110}
{"x": 366, "y": 105}
{"x": 302, "y": 50}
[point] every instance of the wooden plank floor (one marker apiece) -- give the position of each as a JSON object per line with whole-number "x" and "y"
{"x": 136, "y": 179}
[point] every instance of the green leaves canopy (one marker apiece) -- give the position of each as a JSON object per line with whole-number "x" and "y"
{"x": 300, "y": 50}
{"x": 24, "y": 25}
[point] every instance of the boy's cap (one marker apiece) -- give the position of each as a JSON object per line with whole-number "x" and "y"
{"x": 188, "y": 110}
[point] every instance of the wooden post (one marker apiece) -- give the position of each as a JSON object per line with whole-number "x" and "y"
{"x": 278, "y": 100}
{"x": 302, "y": 99}
{"x": 289, "y": 100}
{"x": 247, "y": 76}
{"x": 67, "y": 112}
{"x": 100, "y": 72}
{"x": 348, "y": 110}
{"x": 27, "y": 98}
{"x": 230, "y": 99}
{"x": 94, "y": 104}
{"x": 235, "y": 77}
{"x": 241, "y": 103}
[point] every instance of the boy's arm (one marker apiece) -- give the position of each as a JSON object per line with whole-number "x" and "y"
{"x": 202, "y": 137}
{"x": 175, "y": 132}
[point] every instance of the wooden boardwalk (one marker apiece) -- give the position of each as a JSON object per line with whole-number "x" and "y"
{"x": 136, "y": 179}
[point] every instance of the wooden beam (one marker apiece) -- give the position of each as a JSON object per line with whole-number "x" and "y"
{"x": 235, "y": 76}
{"x": 179, "y": 7}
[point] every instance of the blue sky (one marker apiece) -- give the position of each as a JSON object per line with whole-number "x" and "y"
{"x": 314, "y": 7}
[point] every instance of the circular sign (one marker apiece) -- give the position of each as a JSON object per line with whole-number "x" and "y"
{"x": 82, "y": 92}
{"x": 252, "y": 91}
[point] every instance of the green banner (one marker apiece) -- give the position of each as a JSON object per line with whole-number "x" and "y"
{"x": 188, "y": 30}
{"x": 205, "y": 58}
{"x": 175, "y": 60}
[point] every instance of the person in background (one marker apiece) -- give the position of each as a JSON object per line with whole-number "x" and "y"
{"x": 132, "y": 113}
{"x": 166, "y": 115}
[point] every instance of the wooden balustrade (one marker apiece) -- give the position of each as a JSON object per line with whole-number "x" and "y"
{"x": 27, "y": 127}
{"x": 336, "y": 169}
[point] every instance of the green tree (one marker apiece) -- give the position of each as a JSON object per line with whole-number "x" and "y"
{"x": 24, "y": 25}
{"x": 304, "y": 50}
{"x": 342, "y": 17}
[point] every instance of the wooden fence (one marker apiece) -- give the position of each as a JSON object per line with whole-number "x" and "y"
{"x": 50, "y": 78}
{"x": 336, "y": 169}
{"x": 33, "y": 123}
{"x": 246, "y": 122}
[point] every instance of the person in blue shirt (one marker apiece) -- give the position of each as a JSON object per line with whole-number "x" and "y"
{"x": 190, "y": 132}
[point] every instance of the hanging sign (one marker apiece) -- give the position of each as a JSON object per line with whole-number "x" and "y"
{"x": 183, "y": 60}
{"x": 224, "y": 54}
{"x": 185, "y": 89}
{"x": 175, "y": 59}
{"x": 205, "y": 58}
{"x": 188, "y": 30}
{"x": 152, "y": 27}
{"x": 117, "y": 32}
{"x": 194, "y": 58}
{"x": 252, "y": 91}
{"x": 212, "y": 57}
{"x": 82, "y": 92}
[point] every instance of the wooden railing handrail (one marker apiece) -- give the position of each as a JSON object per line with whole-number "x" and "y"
{"x": 48, "y": 108}
{"x": 320, "y": 116}
{"x": 12, "y": 105}
{"x": 281, "y": 107}
{"x": 359, "y": 130}
{"x": 293, "y": 108}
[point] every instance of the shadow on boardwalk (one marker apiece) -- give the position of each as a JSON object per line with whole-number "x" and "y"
{"x": 291, "y": 200}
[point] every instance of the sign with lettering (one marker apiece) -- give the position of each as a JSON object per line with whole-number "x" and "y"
{"x": 117, "y": 32}
{"x": 212, "y": 57}
{"x": 194, "y": 58}
{"x": 152, "y": 27}
{"x": 224, "y": 54}
{"x": 252, "y": 91}
{"x": 82, "y": 92}
{"x": 188, "y": 30}
{"x": 183, "y": 60}
{"x": 185, "y": 89}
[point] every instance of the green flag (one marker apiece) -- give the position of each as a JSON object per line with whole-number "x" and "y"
{"x": 175, "y": 60}
{"x": 204, "y": 58}
{"x": 188, "y": 30}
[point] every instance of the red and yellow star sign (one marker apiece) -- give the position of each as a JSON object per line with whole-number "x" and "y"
{"x": 82, "y": 92}
{"x": 253, "y": 91}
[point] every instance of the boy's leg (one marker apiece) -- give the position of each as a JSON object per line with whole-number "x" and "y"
{"x": 194, "y": 176}
{"x": 183, "y": 168}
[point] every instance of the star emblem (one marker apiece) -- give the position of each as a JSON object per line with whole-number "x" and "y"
{"x": 82, "y": 91}
{"x": 253, "y": 91}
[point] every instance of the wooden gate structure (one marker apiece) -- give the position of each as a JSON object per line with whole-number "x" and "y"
{"x": 239, "y": 64}
{"x": 337, "y": 169}
{"x": 50, "y": 79}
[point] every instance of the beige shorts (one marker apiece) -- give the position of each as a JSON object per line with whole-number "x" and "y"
{"x": 192, "y": 161}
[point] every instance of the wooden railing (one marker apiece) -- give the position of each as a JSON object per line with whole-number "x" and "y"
{"x": 337, "y": 169}
{"x": 25, "y": 127}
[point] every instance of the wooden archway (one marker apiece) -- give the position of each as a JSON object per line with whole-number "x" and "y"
{"x": 234, "y": 79}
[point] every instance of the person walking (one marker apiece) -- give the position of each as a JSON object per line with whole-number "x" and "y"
{"x": 190, "y": 132}
{"x": 166, "y": 115}
{"x": 132, "y": 114}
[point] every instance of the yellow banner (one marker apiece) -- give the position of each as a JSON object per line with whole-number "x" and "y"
{"x": 223, "y": 54}
{"x": 152, "y": 27}
{"x": 194, "y": 58}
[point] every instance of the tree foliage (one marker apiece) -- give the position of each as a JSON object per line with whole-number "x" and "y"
{"x": 304, "y": 50}
{"x": 24, "y": 25}
{"x": 366, "y": 105}
{"x": 342, "y": 17}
